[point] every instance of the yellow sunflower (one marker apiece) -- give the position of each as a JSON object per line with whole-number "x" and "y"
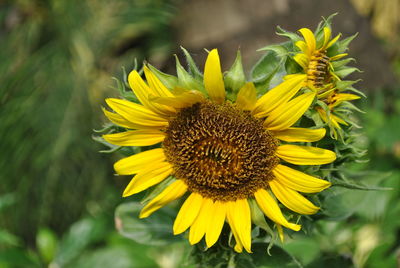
{"x": 222, "y": 154}
{"x": 333, "y": 99}
{"x": 320, "y": 75}
{"x": 316, "y": 63}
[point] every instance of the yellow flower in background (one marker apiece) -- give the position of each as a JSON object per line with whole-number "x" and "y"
{"x": 314, "y": 60}
{"x": 334, "y": 99}
{"x": 222, "y": 154}
{"x": 320, "y": 75}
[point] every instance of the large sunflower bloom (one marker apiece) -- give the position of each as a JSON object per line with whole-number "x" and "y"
{"x": 221, "y": 153}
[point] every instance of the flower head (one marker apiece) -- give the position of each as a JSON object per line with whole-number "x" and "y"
{"x": 318, "y": 61}
{"x": 222, "y": 154}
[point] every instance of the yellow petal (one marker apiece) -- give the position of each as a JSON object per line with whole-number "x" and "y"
{"x": 213, "y": 80}
{"x": 121, "y": 121}
{"x": 183, "y": 100}
{"x": 339, "y": 120}
{"x": 338, "y": 56}
{"x": 327, "y": 37}
{"x": 333, "y": 41}
{"x": 271, "y": 209}
{"x": 288, "y": 113}
{"x": 135, "y": 137}
{"x": 309, "y": 38}
{"x": 147, "y": 178}
{"x": 302, "y": 60}
{"x": 136, "y": 113}
{"x": 199, "y": 226}
{"x": 305, "y": 155}
{"x": 142, "y": 92}
{"x": 171, "y": 193}
{"x": 247, "y": 97}
{"x": 239, "y": 217}
{"x": 156, "y": 84}
{"x": 299, "y": 181}
{"x": 188, "y": 213}
{"x": 135, "y": 163}
{"x": 238, "y": 247}
{"x": 217, "y": 220}
{"x": 303, "y": 47}
{"x": 296, "y": 134}
{"x": 278, "y": 95}
{"x": 337, "y": 99}
{"x": 292, "y": 199}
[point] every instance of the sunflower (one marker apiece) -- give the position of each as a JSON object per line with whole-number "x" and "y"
{"x": 316, "y": 63}
{"x": 334, "y": 99}
{"x": 222, "y": 154}
{"x": 320, "y": 75}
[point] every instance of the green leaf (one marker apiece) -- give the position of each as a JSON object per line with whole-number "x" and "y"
{"x": 115, "y": 257}
{"x": 235, "y": 77}
{"x": 79, "y": 237}
{"x": 155, "y": 230}
{"x": 358, "y": 186}
{"x": 264, "y": 70}
{"x": 281, "y": 50}
{"x": 260, "y": 259}
{"x": 8, "y": 239}
{"x": 46, "y": 243}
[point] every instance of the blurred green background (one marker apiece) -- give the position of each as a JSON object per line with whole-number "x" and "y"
{"x": 58, "y": 194}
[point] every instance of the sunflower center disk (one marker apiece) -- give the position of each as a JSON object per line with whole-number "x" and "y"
{"x": 318, "y": 69}
{"x": 221, "y": 152}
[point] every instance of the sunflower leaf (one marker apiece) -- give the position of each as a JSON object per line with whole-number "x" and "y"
{"x": 155, "y": 230}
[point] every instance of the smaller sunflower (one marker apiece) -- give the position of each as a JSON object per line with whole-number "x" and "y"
{"x": 315, "y": 61}
{"x": 319, "y": 74}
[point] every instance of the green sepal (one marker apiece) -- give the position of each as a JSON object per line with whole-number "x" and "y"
{"x": 185, "y": 80}
{"x": 258, "y": 218}
{"x": 341, "y": 63}
{"x": 356, "y": 91}
{"x": 157, "y": 189}
{"x": 326, "y": 22}
{"x": 344, "y": 84}
{"x": 346, "y": 71}
{"x": 193, "y": 69}
{"x": 292, "y": 36}
{"x": 112, "y": 148}
{"x": 122, "y": 88}
{"x": 235, "y": 78}
{"x": 169, "y": 81}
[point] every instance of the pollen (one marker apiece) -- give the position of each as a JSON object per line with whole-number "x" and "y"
{"x": 318, "y": 73}
{"x": 221, "y": 152}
